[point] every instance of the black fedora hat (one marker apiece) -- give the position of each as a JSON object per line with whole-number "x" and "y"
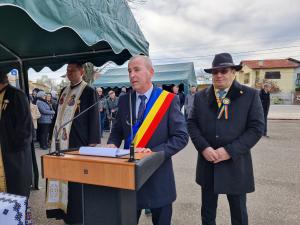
{"x": 223, "y": 60}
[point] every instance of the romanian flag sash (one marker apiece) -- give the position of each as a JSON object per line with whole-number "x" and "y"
{"x": 156, "y": 108}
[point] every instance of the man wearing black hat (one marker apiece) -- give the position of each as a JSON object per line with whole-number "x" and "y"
{"x": 15, "y": 139}
{"x": 226, "y": 122}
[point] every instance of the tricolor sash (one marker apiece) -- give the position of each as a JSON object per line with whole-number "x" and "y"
{"x": 156, "y": 108}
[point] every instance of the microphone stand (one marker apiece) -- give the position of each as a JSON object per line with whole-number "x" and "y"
{"x": 131, "y": 152}
{"x": 57, "y": 131}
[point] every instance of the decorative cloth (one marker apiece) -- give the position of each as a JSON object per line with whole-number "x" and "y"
{"x": 12, "y": 209}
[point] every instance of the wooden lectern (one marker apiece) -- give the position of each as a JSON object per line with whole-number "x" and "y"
{"x": 109, "y": 184}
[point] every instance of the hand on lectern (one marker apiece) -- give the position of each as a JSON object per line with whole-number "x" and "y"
{"x": 111, "y": 146}
{"x": 143, "y": 150}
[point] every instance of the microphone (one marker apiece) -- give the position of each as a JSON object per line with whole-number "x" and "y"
{"x": 57, "y": 131}
{"x": 131, "y": 148}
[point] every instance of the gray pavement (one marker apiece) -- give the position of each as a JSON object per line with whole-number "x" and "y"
{"x": 284, "y": 112}
{"x": 276, "y": 200}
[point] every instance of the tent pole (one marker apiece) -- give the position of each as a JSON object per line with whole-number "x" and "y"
{"x": 25, "y": 80}
{"x": 21, "y": 77}
{"x": 52, "y": 56}
{"x": 21, "y": 69}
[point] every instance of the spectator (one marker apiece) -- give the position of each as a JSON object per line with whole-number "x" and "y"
{"x": 45, "y": 120}
{"x": 264, "y": 95}
{"x": 35, "y": 113}
{"x": 123, "y": 91}
{"x": 179, "y": 94}
{"x": 189, "y": 100}
{"x": 101, "y": 109}
{"x": 34, "y": 97}
{"x": 111, "y": 106}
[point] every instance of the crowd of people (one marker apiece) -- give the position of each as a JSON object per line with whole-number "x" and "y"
{"x": 224, "y": 121}
{"x": 43, "y": 106}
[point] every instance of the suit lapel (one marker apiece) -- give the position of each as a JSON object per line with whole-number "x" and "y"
{"x": 211, "y": 98}
{"x": 235, "y": 91}
{"x": 133, "y": 104}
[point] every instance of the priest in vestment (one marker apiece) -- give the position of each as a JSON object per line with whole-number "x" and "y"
{"x": 82, "y": 131}
{"x": 15, "y": 139}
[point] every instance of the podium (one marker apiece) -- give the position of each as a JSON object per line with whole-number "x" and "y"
{"x": 109, "y": 184}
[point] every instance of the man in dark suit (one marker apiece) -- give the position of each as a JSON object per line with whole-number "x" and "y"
{"x": 15, "y": 139}
{"x": 264, "y": 95}
{"x": 180, "y": 95}
{"x": 170, "y": 136}
{"x": 226, "y": 122}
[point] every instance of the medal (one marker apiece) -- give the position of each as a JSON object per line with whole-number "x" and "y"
{"x": 224, "y": 109}
{"x": 78, "y": 105}
{"x": 5, "y": 103}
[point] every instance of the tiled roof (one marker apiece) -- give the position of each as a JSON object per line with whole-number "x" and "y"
{"x": 270, "y": 63}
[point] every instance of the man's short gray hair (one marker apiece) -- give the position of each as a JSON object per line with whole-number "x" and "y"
{"x": 147, "y": 60}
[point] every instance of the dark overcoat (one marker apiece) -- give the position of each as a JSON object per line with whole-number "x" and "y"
{"x": 15, "y": 137}
{"x": 170, "y": 136}
{"x": 237, "y": 135}
{"x": 265, "y": 101}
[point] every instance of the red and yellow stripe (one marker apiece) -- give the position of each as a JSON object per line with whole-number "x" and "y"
{"x": 153, "y": 119}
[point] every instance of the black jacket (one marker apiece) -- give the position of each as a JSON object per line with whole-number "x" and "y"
{"x": 170, "y": 137}
{"x": 15, "y": 138}
{"x": 265, "y": 100}
{"x": 237, "y": 135}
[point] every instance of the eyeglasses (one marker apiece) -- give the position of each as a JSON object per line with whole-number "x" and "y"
{"x": 222, "y": 71}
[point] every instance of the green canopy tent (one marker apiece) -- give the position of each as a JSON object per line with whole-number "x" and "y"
{"x": 39, "y": 33}
{"x": 177, "y": 73}
{"x": 36, "y": 33}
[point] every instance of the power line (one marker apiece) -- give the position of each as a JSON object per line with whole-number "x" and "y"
{"x": 233, "y": 53}
{"x": 235, "y": 44}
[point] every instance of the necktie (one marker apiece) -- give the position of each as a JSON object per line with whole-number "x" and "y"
{"x": 221, "y": 93}
{"x": 142, "y": 107}
{"x": 220, "y": 96}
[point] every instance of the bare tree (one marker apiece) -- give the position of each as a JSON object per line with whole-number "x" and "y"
{"x": 47, "y": 81}
{"x": 89, "y": 72}
{"x": 63, "y": 83}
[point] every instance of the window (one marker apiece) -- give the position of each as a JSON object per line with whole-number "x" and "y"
{"x": 256, "y": 76}
{"x": 298, "y": 79}
{"x": 273, "y": 75}
{"x": 246, "y": 78}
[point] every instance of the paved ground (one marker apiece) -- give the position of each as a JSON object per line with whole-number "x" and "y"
{"x": 275, "y": 202}
{"x": 284, "y": 112}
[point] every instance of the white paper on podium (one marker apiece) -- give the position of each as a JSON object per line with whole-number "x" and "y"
{"x": 106, "y": 152}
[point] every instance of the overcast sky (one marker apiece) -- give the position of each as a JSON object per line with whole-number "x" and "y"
{"x": 195, "y": 30}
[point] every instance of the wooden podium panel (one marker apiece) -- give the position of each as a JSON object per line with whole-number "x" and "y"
{"x": 101, "y": 171}
{"x": 109, "y": 185}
